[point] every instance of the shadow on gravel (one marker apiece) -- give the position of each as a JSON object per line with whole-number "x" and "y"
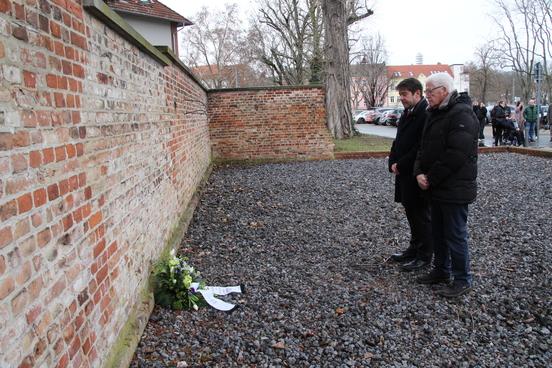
{"x": 310, "y": 242}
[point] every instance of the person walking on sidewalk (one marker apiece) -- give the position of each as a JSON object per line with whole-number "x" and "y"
{"x": 401, "y": 163}
{"x": 446, "y": 169}
{"x": 531, "y": 116}
{"x": 481, "y": 112}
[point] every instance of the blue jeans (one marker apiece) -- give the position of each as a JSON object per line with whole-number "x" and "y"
{"x": 530, "y": 130}
{"x": 450, "y": 240}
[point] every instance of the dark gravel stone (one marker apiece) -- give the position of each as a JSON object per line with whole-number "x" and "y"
{"x": 310, "y": 241}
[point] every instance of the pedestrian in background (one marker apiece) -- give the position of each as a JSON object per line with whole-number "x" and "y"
{"x": 481, "y": 112}
{"x": 530, "y": 115}
{"x": 407, "y": 192}
{"x": 498, "y": 120}
{"x": 446, "y": 169}
{"x": 520, "y": 121}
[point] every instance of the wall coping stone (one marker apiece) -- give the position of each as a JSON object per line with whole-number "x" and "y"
{"x": 114, "y": 21}
{"x": 265, "y": 88}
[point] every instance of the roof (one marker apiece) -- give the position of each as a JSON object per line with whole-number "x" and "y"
{"x": 151, "y": 8}
{"x": 413, "y": 71}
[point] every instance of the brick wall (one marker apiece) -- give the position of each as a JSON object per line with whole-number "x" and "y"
{"x": 101, "y": 148}
{"x": 269, "y": 123}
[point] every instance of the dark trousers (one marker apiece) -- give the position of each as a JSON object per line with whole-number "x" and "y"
{"x": 481, "y": 128}
{"x": 450, "y": 240}
{"x": 419, "y": 220}
{"x": 498, "y": 135}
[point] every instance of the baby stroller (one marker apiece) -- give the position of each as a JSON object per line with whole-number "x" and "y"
{"x": 512, "y": 135}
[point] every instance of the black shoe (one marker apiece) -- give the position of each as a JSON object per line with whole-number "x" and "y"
{"x": 434, "y": 277}
{"x": 402, "y": 257}
{"x": 415, "y": 264}
{"x": 454, "y": 290}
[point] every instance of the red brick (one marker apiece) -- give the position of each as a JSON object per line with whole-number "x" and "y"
{"x": 67, "y": 222}
{"x": 66, "y": 67}
{"x": 8, "y": 210}
{"x": 78, "y": 71}
{"x": 29, "y": 79}
{"x": 55, "y": 29}
{"x": 6, "y": 141}
{"x": 62, "y": 82}
{"x": 78, "y": 40}
{"x": 35, "y": 287}
{"x": 63, "y": 362}
{"x": 6, "y": 236}
{"x": 21, "y": 139}
{"x": 58, "y": 287}
{"x": 24, "y": 203}
{"x": 95, "y": 220}
{"x": 60, "y": 153}
{"x": 99, "y": 248}
{"x": 39, "y": 197}
{"x": 53, "y": 192}
{"x": 63, "y": 187}
{"x": 43, "y": 118}
{"x": 2, "y": 51}
{"x": 33, "y": 314}
{"x": 71, "y": 152}
{"x": 59, "y": 49}
{"x": 19, "y": 163}
{"x": 44, "y": 237}
{"x": 7, "y": 285}
{"x": 59, "y": 99}
{"x": 5, "y": 6}
{"x": 70, "y": 100}
{"x": 74, "y": 182}
{"x": 19, "y": 11}
{"x": 80, "y": 149}
{"x": 82, "y": 180}
{"x": 51, "y": 81}
{"x": 48, "y": 154}
{"x": 35, "y": 159}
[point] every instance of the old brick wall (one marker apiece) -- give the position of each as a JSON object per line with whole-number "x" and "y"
{"x": 101, "y": 148}
{"x": 269, "y": 123}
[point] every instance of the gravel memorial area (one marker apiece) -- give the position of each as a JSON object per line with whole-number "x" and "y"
{"x": 310, "y": 242}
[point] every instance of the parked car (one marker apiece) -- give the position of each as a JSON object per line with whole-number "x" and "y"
{"x": 379, "y": 114}
{"x": 391, "y": 117}
{"x": 364, "y": 116}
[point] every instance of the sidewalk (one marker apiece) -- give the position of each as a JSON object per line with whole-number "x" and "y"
{"x": 543, "y": 141}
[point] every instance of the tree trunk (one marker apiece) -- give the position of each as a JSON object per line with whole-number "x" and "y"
{"x": 338, "y": 92}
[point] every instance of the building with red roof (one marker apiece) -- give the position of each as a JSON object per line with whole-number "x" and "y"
{"x": 155, "y": 21}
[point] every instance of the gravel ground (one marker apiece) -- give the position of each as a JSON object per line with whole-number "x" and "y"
{"x": 310, "y": 242}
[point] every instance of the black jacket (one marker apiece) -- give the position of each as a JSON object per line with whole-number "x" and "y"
{"x": 498, "y": 114}
{"x": 448, "y": 153}
{"x": 480, "y": 112}
{"x": 403, "y": 153}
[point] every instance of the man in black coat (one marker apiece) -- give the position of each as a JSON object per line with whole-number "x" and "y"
{"x": 401, "y": 163}
{"x": 446, "y": 169}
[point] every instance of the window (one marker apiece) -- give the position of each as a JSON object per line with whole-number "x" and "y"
{"x": 392, "y": 98}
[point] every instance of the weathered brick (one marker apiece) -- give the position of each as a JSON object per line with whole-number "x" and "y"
{"x": 21, "y": 139}
{"x": 7, "y": 285}
{"x": 28, "y": 117}
{"x": 2, "y": 50}
{"x": 22, "y": 228}
{"x": 20, "y": 33}
{"x": 63, "y": 187}
{"x": 19, "y": 11}
{"x": 6, "y": 141}
{"x": 48, "y": 155}
{"x": 44, "y": 237}
{"x": 19, "y": 163}
{"x": 40, "y": 197}
{"x": 8, "y": 210}
{"x": 2, "y": 265}
{"x": 60, "y": 153}
{"x": 51, "y": 80}
{"x": 24, "y": 273}
{"x": 5, "y": 6}
{"x": 53, "y": 192}
{"x": 19, "y": 302}
{"x": 29, "y": 79}
{"x": 6, "y": 236}
{"x": 36, "y": 219}
{"x": 55, "y": 29}
{"x": 35, "y": 159}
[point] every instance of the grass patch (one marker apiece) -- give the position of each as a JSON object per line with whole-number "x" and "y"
{"x": 363, "y": 143}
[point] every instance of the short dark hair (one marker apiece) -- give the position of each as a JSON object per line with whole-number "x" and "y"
{"x": 410, "y": 84}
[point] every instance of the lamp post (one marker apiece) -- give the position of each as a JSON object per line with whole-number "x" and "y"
{"x": 538, "y": 79}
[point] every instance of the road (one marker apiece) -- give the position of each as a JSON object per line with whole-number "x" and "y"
{"x": 391, "y": 132}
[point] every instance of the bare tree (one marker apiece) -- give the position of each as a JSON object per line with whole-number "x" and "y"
{"x": 338, "y": 15}
{"x": 370, "y": 75}
{"x": 484, "y": 70}
{"x": 290, "y": 31}
{"x": 214, "y": 46}
{"x": 521, "y": 24}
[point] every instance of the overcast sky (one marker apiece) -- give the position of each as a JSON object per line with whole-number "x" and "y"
{"x": 446, "y": 31}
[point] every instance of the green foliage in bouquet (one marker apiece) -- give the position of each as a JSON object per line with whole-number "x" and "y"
{"x": 176, "y": 283}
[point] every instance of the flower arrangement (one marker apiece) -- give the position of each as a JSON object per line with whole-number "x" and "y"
{"x": 176, "y": 283}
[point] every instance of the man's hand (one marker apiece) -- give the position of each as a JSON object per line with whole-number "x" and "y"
{"x": 423, "y": 183}
{"x": 394, "y": 169}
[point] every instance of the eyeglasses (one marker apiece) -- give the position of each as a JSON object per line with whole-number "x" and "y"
{"x": 430, "y": 91}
